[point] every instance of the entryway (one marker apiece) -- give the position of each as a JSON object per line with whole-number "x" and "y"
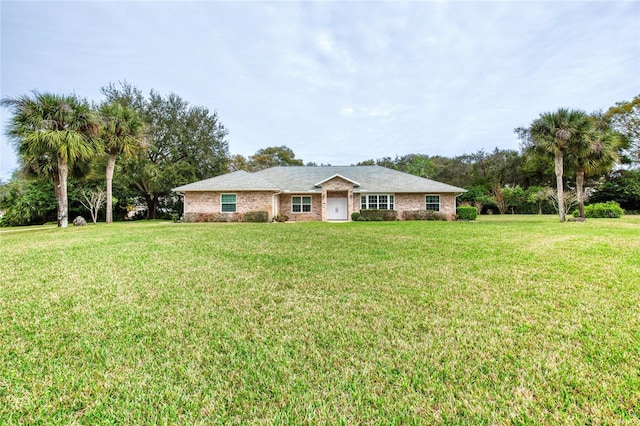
{"x": 337, "y": 209}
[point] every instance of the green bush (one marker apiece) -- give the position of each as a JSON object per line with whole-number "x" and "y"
{"x": 355, "y": 216}
{"x": 213, "y": 217}
{"x": 379, "y": 215}
{"x": 256, "y": 216}
{"x": 280, "y": 218}
{"x": 424, "y": 215}
{"x": 467, "y": 213}
{"x": 609, "y": 209}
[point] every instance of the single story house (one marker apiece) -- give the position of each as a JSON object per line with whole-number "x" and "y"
{"x": 315, "y": 193}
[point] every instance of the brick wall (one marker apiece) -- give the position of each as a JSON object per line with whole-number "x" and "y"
{"x": 409, "y": 202}
{"x": 209, "y": 202}
{"x": 316, "y": 207}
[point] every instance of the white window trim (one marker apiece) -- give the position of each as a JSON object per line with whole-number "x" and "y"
{"x": 433, "y": 195}
{"x": 302, "y": 204}
{"x": 235, "y": 210}
{"x": 389, "y": 203}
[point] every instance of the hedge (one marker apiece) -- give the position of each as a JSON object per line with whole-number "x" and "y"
{"x": 256, "y": 216}
{"x": 424, "y": 215}
{"x": 213, "y": 217}
{"x": 467, "y": 212}
{"x": 378, "y": 215}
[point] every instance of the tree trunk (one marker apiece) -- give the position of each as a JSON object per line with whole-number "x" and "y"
{"x": 61, "y": 193}
{"x": 152, "y": 202}
{"x": 111, "y": 165}
{"x": 559, "y": 184}
{"x": 580, "y": 190}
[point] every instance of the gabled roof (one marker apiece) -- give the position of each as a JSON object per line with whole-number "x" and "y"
{"x": 337, "y": 176}
{"x": 369, "y": 179}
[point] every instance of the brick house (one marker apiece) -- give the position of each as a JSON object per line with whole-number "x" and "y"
{"x": 325, "y": 193}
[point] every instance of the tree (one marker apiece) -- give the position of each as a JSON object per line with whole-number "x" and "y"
{"x": 27, "y": 202}
{"x": 595, "y": 152}
{"x": 185, "y": 143}
{"x": 92, "y": 200}
{"x": 122, "y": 134}
{"x": 52, "y": 133}
{"x": 238, "y": 162}
{"x": 554, "y": 133}
{"x": 498, "y": 198}
{"x": 622, "y": 186}
{"x": 513, "y": 197}
{"x": 625, "y": 119}
{"x": 273, "y": 156}
{"x": 537, "y": 195}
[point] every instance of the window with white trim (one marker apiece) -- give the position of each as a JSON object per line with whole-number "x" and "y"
{"x": 228, "y": 203}
{"x": 377, "y": 202}
{"x": 301, "y": 204}
{"x": 432, "y": 202}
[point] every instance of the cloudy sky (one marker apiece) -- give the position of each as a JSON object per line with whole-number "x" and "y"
{"x": 337, "y": 82}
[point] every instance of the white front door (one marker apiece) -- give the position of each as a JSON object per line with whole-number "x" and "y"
{"x": 337, "y": 209}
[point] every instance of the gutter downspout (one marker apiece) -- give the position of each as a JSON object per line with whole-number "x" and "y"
{"x": 273, "y": 204}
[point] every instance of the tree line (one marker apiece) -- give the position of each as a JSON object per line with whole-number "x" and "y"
{"x": 131, "y": 149}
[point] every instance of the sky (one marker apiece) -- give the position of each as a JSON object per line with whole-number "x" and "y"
{"x": 337, "y": 82}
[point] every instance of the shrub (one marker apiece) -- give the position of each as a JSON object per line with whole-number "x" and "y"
{"x": 213, "y": 217}
{"x": 280, "y": 218}
{"x": 379, "y": 215}
{"x": 609, "y": 209}
{"x": 355, "y": 216}
{"x": 467, "y": 212}
{"x": 424, "y": 215}
{"x": 256, "y": 216}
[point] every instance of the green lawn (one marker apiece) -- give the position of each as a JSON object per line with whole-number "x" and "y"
{"x": 505, "y": 320}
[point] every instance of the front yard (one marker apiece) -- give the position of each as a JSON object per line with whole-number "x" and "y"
{"x": 519, "y": 320}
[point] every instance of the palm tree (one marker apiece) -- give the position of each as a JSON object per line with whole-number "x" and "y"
{"x": 122, "y": 134}
{"x": 595, "y": 153}
{"x": 53, "y": 133}
{"x": 555, "y": 133}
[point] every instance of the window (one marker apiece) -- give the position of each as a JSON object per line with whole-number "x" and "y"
{"x": 228, "y": 203}
{"x": 301, "y": 204}
{"x": 377, "y": 202}
{"x": 432, "y": 202}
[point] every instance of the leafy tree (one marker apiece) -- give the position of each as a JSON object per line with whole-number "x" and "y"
{"x": 52, "y": 133}
{"x": 27, "y": 202}
{"x": 238, "y": 162}
{"x": 122, "y": 134}
{"x": 273, "y": 156}
{"x": 554, "y": 133}
{"x": 477, "y": 196}
{"x": 454, "y": 171}
{"x": 415, "y": 164}
{"x": 185, "y": 143}
{"x": 622, "y": 186}
{"x": 513, "y": 197}
{"x": 498, "y": 198}
{"x": 625, "y": 119}
{"x": 537, "y": 195}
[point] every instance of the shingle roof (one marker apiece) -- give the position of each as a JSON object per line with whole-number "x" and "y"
{"x": 236, "y": 181}
{"x": 305, "y": 178}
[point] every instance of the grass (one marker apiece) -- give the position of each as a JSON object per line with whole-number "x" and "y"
{"x": 505, "y": 320}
